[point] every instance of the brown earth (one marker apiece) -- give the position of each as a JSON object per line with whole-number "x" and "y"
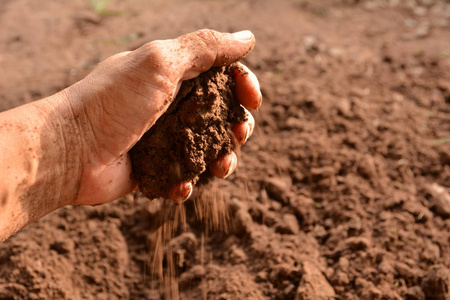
{"x": 342, "y": 191}
{"x": 193, "y": 132}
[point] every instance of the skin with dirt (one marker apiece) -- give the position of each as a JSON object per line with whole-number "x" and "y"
{"x": 195, "y": 130}
{"x": 343, "y": 189}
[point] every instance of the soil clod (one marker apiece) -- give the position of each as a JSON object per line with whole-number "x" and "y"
{"x": 194, "y": 131}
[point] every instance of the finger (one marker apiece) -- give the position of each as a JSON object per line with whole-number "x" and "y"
{"x": 244, "y": 130}
{"x": 181, "y": 192}
{"x": 247, "y": 87}
{"x": 224, "y": 166}
{"x": 241, "y": 132}
{"x": 199, "y": 51}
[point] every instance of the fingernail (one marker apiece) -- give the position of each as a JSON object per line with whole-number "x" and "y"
{"x": 233, "y": 163}
{"x": 181, "y": 192}
{"x": 247, "y": 133}
{"x": 244, "y": 35}
{"x": 188, "y": 190}
{"x": 250, "y": 123}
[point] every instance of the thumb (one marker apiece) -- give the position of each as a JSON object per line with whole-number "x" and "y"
{"x": 200, "y": 50}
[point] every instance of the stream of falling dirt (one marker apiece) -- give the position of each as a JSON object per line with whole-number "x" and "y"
{"x": 210, "y": 208}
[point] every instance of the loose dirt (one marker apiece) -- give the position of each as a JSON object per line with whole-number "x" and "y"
{"x": 194, "y": 131}
{"x": 342, "y": 191}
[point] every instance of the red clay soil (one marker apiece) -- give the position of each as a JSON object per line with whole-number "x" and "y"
{"x": 342, "y": 191}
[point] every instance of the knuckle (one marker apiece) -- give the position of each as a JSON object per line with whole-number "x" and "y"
{"x": 209, "y": 40}
{"x": 207, "y": 36}
{"x": 158, "y": 60}
{"x": 153, "y": 51}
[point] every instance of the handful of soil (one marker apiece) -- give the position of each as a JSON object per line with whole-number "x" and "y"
{"x": 193, "y": 132}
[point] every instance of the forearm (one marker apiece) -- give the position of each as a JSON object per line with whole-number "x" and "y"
{"x": 38, "y": 174}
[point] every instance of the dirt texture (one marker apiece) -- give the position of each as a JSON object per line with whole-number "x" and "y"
{"x": 342, "y": 192}
{"x": 193, "y": 132}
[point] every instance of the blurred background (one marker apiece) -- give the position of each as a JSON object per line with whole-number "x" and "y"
{"x": 342, "y": 192}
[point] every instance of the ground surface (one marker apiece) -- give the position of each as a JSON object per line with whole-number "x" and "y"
{"x": 342, "y": 192}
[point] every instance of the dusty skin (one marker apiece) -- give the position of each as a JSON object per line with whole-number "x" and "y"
{"x": 345, "y": 177}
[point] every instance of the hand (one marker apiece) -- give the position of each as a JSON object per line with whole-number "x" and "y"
{"x": 125, "y": 95}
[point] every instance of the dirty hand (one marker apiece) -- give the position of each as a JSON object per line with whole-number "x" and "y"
{"x": 72, "y": 147}
{"x": 126, "y": 94}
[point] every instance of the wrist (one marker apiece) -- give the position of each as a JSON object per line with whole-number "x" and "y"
{"x": 60, "y": 150}
{"x": 38, "y": 143}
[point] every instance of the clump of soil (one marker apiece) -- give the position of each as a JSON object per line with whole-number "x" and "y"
{"x": 195, "y": 130}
